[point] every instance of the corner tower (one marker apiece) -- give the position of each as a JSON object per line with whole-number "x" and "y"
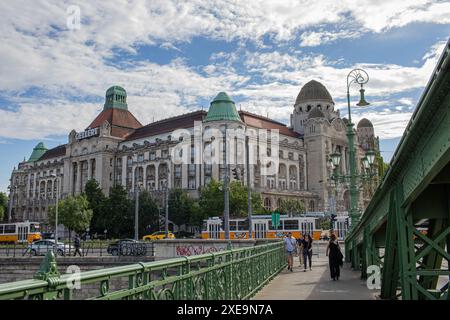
{"x": 313, "y": 95}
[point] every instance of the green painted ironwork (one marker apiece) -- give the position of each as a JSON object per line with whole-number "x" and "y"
{"x": 230, "y": 274}
{"x": 409, "y": 214}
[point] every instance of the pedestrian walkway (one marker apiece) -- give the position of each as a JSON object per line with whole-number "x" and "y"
{"x": 316, "y": 284}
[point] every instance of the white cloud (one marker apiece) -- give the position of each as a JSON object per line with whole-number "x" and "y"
{"x": 313, "y": 38}
{"x": 38, "y": 51}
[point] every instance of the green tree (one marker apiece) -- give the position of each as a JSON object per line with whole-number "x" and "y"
{"x": 291, "y": 206}
{"x": 97, "y": 201}
{"x": 197, "y": 215}
{"x": 212, "y": 200}
{"x": 3, "y": 205}
{"x": 325, "y": 225}
{"x": 73, "y": 213}
{"x": 180, "y": 207}
{"x": 148, "y": 214}
{"x": 119, "y": 216}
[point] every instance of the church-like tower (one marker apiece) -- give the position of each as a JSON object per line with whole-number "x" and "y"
{"x": 312, "y": 95}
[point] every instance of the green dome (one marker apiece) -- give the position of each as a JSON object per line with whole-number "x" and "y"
{"x": 38, "y": 151}
{"x": 222, "y": 108}
{"x": 116, "y": 97}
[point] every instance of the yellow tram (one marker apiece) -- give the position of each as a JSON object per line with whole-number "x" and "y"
{"x": 262, "y": 227}
{"x": 20, "y": 232}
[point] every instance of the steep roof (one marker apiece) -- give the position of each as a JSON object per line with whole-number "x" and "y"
{"x": 261, "y": 122}
{"x": 38, "y": 151}
{"x": 183, "y": 121}
{"x": 56, "y": 152}
{"x": 122, "y": 121}
{"x": 222, "y": 108}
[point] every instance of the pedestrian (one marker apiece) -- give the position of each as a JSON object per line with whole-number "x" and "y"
{"x": 335, "y": 257}
{"x": 307, "y": 251}
{"x": 77, "y": 243}
{"x": 300, "y": 251}
{"x": 290, "y": 244}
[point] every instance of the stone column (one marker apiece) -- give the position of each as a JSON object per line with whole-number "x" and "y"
{"x": 89, "y": 175}
{"x": 133, "y": 177}
{"x": 156, "y": 176}
{"x": 78, "y": 185}
{"x": 124, "y": 170}
{"x": 169, "y": 174}
{"x": 297, "y": 166}
{"x": 184, "y": 176}
{"x": 144, "y": 176}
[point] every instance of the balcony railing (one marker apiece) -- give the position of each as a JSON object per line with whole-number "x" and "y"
{"x": 230, "y": 274}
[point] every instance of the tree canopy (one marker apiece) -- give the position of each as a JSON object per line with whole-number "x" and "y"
{"x": 73, "y": 213}
{"x": 3, "y": 206}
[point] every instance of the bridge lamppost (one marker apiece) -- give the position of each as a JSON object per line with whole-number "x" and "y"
{"x": 359, "y": 77}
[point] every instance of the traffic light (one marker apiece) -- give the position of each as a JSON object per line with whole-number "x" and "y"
{"x": 333, "y": 217}
{"x": 237, "y": 173}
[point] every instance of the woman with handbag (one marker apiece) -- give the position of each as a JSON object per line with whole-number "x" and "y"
{"x": 335, "y": 257}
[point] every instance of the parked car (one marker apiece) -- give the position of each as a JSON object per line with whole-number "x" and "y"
{"x": 158, "y": 235}
{"x": 121, "y": 247}
{"x": 184, "y": 235}
{"x": 48, "y": 235}
{"x": 41, "y": 247}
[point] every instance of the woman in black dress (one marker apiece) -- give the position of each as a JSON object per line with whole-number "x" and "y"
{"x": 334, "y": 257}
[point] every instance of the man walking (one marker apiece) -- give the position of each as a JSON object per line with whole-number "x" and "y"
{"x": 77, "y": 243}
{"x": 290, "y": 246}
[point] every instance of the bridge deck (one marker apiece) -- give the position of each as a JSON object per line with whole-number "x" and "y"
{"x": 316, "y": 284}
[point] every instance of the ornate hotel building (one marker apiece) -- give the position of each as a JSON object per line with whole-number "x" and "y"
{"x": 117, "y": 149}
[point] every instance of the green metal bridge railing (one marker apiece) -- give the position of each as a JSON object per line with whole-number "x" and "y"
{"x": 231, "y": 274}
{"x": 405, "y": 229}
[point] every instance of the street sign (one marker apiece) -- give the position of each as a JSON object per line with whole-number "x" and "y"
{"x": 275, "y": 219}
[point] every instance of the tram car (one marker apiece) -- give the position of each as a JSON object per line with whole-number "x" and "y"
{"x": 20, "y": 232}
{"x": 262, "y": 227}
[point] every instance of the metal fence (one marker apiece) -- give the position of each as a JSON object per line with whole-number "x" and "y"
{"x": 231, "y": 274}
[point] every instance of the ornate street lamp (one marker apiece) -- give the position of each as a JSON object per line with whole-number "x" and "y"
{"x": 360, "y": 77}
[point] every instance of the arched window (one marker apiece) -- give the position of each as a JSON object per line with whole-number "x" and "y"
{"x": 319, "y": 107}
{"x": 308, "y": 108}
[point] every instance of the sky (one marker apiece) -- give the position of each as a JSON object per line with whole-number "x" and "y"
{"x": 59, "y": 57}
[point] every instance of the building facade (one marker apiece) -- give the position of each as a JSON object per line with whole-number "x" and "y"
{"x": 185, "y": 152}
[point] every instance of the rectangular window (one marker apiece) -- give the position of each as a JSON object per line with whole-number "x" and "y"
{"x": 192, "y": 169}
{"x": 191, "y": 183}
{"x": 152, "y": 155}
{"x": 290, "y": 224}
{"x": 10, "y": 228}
{"x": 141, "y": 157}
{"x": 242, "y": 225}
{"x": 164, "y": 153}
{"x": 178, "y": 171}
{"x": 271, "y": 227}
